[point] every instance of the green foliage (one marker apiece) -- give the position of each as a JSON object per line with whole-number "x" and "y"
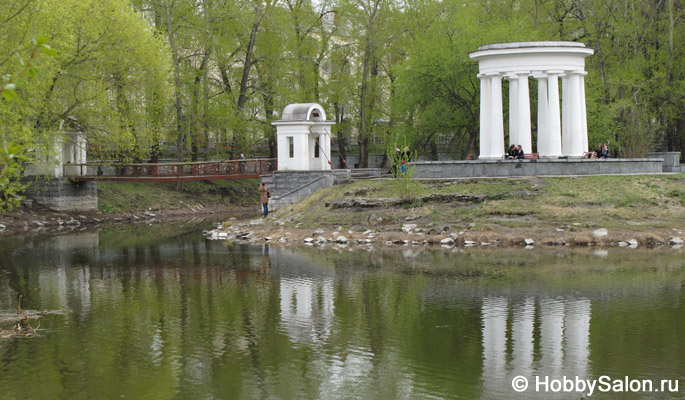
{"x": 10, "y": 82}
{"x": 211, "y": 75}
{"x": 11, "y": 159}
{"x": 404, "y": 186}
{"x": 108, "y": 69}
{"x": 13, "y": 155}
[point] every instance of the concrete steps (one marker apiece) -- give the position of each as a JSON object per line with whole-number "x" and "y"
{"x": 361, "y": 175}
{"x": 367, "y": 173}
{"x": 289, "y": 187}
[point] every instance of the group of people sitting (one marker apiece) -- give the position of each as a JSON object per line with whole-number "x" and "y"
{"x": 515, "y": 153}
{"x": 601, "y": 152}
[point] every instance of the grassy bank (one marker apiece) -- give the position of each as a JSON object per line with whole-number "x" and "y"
{"x": 120, "y": 197}
{"x": 653, "y": 204}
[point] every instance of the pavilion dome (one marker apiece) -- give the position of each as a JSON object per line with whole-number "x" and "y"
{"x": 304, "y": 112}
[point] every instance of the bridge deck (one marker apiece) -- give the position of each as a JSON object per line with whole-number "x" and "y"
{"x": 170, "y": 172}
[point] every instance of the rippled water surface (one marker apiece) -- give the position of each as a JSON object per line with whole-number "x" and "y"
{"x": 161, "y": 315}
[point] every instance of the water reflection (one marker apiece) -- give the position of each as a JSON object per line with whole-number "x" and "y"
{"x": 307, "y": 308}
{"x": 534, "y": 337}
{"x": 154, "y": 316}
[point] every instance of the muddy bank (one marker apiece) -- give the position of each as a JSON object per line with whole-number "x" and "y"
{"x": 44, "y": 221}
{"x": 277, "y": 231}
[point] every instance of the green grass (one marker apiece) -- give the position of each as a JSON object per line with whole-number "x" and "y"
{"x": 117, "y": 197}
{"x": 656, "y": 201}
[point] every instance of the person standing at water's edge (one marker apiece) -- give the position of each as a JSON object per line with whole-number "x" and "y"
{"x": 264, "y": 198}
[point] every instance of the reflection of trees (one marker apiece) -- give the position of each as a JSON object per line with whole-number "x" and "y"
{"x": 52, "y": 254}
{"x": 190, "y": 316}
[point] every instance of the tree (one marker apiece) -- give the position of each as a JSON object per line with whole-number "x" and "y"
{"x": 106, "y": 63}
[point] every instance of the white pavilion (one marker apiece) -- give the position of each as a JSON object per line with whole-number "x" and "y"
{"x": 303, "y": 138}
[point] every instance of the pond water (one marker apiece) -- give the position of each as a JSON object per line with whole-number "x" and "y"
{"x": 161, "y": 314}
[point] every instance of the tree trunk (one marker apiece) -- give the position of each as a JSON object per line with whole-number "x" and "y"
{"x": 205, "y": 83}
{"x": 363, "y": 123}
{"x": 238, "y": 131}
{"x": 670, "y": 126}
{"x": 473, "y": 135}
{"x": 434, "y": 150}
{"x": 192, "y": 125}
{"x": 247, "y": 65}
{"x": 340, "y": 135}
{"x": 269, "y": 130}
{"x": 178, "y": 106}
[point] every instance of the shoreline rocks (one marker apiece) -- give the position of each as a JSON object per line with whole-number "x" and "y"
{"x": 414, "y": 235}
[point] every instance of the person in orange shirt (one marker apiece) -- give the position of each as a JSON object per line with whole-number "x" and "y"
{"x": 264, "y": 198}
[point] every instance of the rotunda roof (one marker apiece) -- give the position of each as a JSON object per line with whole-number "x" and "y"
{"x": 303, "y": 112}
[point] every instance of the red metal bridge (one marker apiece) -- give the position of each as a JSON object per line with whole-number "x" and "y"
{"x": 171, "y": 172}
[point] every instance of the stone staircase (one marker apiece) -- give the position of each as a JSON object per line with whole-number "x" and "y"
{"x": 367, "y": 173}
{"x": 288, "y": 187}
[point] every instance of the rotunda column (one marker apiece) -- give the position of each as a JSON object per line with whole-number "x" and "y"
{"x": 554, "y": 118}
{"x": 524, "y": 114}
{"x": 583, "y": 112}
{"x": 543, "y": 117}
{"x": 565, "y": 116}
{"x": 324, "y": 150}
{"x": 576, "y": 119}
{"x": 497, "y": 119}
{"x": 485, "y": 111}
{"x": 513, "y": 109}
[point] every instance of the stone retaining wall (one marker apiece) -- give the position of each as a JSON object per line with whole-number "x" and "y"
{"x": 541, "y": 167}
{"x": 62, "y": 194}
{"x": 671, "y": 160}
{"x": 288, "y": 187}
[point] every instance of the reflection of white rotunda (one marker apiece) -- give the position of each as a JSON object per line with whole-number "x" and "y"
{"x": 563, "y": 340}
{"x": 560, "y": 132}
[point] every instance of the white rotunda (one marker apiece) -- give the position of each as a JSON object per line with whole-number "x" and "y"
{"x": 562, "y": 123}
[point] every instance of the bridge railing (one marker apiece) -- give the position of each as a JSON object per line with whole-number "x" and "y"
{"x": 209, "y": 169}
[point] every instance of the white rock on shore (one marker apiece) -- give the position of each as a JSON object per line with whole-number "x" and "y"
{"x": 676, "y": 241}
{"x": 447, "y": 241}
{"x": 408, "y": 227}
{"x": 598, "y": 233}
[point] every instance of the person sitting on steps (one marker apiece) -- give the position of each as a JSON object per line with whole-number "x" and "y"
{"x": 515, "y": 152}
{"x": 603, "y": 150}
{"x": 510, "y": 152}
